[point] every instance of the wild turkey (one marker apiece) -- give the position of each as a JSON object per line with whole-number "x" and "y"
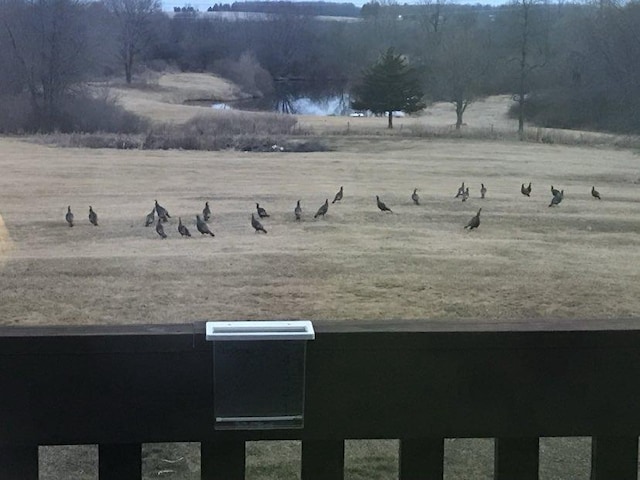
{"x": 323, "y": 209}
{"x": 415, "y": 197}
{"x": 382, "y": 206}
{"x": 206, "y": 212}
{"x": 557, "y": 199}
{"x": 474, "y": 222}
{"x": 465, "y": 195}
{"x": 162, "y": 212}
{"x": 202, "y": 227}
{"x": 93, "y": 216}
{"x": 483, "y": 190}
{"x": 69, "y": 216}
{"x": 338, "y": 196}
{"x": 298, "y": 211}
{"x": 595, "y": 193}
{"x": 160, "y": 229}
{"x": 526, "y": 190}
{"x": 262, "y": 213}
{"x": 554, "y": 191}
{"x": 151, "y": 217}
{"x": 460, "y": 191}
{"x": 182, "y": 229}
{"x": 255, "y": 223}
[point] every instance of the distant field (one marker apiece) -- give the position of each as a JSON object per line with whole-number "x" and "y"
{"x": 525, "y": 261}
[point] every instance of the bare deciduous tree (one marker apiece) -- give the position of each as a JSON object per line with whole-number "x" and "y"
{"x": 461, "y": 64}
{"x": 532, "y": 49}
{"x": 47, "y": 41}
{"x": 133, "y": 19}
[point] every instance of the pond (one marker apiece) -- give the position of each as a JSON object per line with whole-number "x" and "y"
{"x": 299, "y": 97}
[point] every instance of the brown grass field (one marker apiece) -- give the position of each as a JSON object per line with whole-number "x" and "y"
{"x": 526, "y": 262}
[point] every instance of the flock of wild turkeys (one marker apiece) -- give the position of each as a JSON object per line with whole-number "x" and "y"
{"x": 202, "y": 226}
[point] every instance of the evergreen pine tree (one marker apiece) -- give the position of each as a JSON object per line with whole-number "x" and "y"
{"x": 389, "y": 85}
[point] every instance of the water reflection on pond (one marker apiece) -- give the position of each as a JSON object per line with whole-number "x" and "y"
{"x": 302, "y": 98}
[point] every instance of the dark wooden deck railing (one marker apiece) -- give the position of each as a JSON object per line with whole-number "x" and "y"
{"x": 419, "y": 382}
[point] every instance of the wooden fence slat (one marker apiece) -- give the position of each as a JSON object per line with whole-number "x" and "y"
{"x": 422, "y": 459}
{"x": 222, "y": 460}
{"x": 516, "y": 458}
{"x": 120, "y": 461}
{"x": 323, "y": 460}
{"x": 614, "y": 457}
{"x": 19, "y": 463}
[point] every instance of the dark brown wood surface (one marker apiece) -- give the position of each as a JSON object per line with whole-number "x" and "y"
{"x": 416, "y": 381}
{"x": 146, "y": 384}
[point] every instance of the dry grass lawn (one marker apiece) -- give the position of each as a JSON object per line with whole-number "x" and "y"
{"x": 526, "y": 261}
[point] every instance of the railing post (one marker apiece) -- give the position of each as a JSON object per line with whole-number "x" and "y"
{"x": 120, "y": 461}
{"x": 322, "y": 459}
{"x": 516, "y": 458}
{"x": 222, "y": 460}
{"x": 614, "y": 457}
{"x": 19, "y": 463}
{"x": 422, "y": 459}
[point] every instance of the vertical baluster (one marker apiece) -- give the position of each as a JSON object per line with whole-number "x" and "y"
{"x": 120, "y": 461}
{"x": 222, "y": 460}
{"x": 19, "y": 463}
{"x": 614, "y": 457}
{"x": 516, "y": 458}
{"x": 422, "y": 459}
{"x": 322, "y": 459}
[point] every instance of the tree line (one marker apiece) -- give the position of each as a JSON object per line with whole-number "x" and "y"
{"x": 567, "y": 65}
{"x": 287, "y": 8}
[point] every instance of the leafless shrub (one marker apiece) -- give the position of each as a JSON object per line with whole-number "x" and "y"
{"x": 532, "y": 135}
{"x": 80, "y": 112}
{"x": 248, "y": 73}
{"x": 233, "y": 130}
{"x": 92, "y": 140}
{"x": 85, "y": 113}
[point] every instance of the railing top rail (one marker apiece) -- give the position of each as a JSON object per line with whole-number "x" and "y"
{"x": 344, "y": 326}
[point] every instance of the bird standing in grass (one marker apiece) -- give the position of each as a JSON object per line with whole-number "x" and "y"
{"x": 93, "y": 216}
{"x": 554, "y": 191}
{"x": 557, "y": 199}
{"x": 595, "y": 193}
{"x": 474, "y": 222}
{"x": 69, "y": 216}
{"x": 202, "y": 227}
{"x": 262, "y": 213}
{"x": 184, "y": 231}
{"x": 465, "y": 195}
{"x": 382, "y": 206}
{"x": 206, "y": 212}
{"x": 298, "y": 211}
{"x": 460, "y": 191}
{"x": 255, "y": 223}
{"x": 526, "y": 191}
{"x": 160, "y": 228}
{"x": 415, "y": 197}
{"x": 163, "y": 213}
{"x": 322, "y": 211}
{"x": 151, "y": 217}
{"x": 338, "y": 196}
{"x": 483, "y": 190}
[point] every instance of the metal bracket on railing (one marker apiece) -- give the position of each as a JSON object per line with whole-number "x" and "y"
{"x": 259, "y": 373}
